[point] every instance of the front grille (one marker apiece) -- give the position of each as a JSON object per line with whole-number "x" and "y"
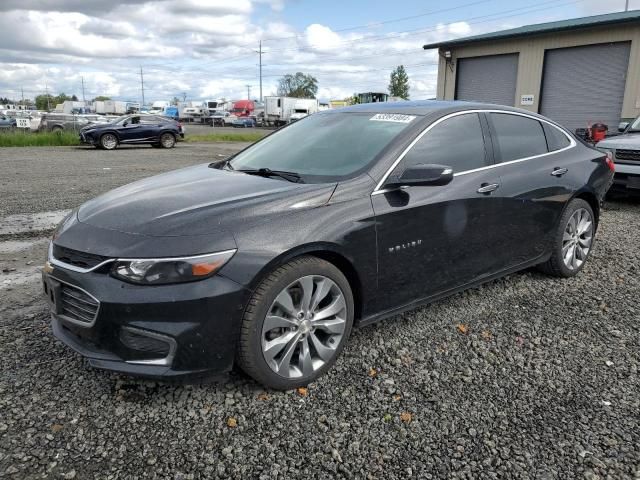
{"x": 144, "y": 343}
{"x": 76, "y": 258}
{"x": 628, "y": 155}
{"x": 78, "y": 305}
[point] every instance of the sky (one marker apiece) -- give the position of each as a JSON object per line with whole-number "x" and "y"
{"x": 207, "y": 49}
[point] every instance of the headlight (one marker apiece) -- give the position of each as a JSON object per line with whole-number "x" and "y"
{"x": 161, "y": 271}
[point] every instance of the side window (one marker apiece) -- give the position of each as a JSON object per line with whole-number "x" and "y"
{"x": 556, "y": 140}
{"x": 456, "y": 142}
{"x": 517, "y": 137}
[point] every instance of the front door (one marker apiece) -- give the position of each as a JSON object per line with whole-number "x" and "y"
{"x": 435, "y": 238}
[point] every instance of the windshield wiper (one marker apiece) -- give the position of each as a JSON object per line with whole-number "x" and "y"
{"x": 267, "y": 172}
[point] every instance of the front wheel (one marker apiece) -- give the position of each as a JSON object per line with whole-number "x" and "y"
{"x": 296, "y": 324}
{"x": 573, "y": 240}
{"x": 108, "y": 141}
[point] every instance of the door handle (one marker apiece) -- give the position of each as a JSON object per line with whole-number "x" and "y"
{"x": 558, "y": 172}
{"x": 488, "y": 187}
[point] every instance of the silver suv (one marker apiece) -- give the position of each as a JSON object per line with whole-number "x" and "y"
{"x": 52, "y": 122}
{"x": 625, "y": 149}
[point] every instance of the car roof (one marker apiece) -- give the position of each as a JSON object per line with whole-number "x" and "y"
{"x": 423, "y": 107}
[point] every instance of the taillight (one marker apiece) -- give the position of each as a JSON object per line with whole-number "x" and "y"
{"x": 609, "y": 161}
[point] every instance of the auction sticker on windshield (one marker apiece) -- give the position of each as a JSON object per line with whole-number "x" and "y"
{"x": 392, "y": 117}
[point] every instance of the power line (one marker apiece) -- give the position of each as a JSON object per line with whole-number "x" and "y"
{"x": 550, "y": 4}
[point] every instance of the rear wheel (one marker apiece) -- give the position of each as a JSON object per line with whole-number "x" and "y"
{"x": 296, "y": 324}
{"x": 108, "y": 141}
{"x": 167, "y": 140}
{"x": 573, "y": 240}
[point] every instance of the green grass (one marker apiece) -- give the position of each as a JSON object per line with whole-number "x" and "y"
{"x": 19, "y": 138}
{"x": 41, "y": 139}
{"x": 226, "y": 137}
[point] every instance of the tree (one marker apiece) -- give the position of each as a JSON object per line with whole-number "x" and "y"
{"x": 101, "y": 98}
{"x": 74, "y": 98}
{"x": 353, "y": 100}
{"x": 399, "y": 83}
{"x": 298, "y": 86}
{"x": 45, "y": 102}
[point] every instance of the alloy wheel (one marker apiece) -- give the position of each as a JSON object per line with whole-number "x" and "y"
{"x": 304, "y": 326}
{"x": 577, "y": 239}
{"x": 109, "y": 141}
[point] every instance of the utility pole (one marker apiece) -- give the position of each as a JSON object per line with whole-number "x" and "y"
{"x": 83, "y": 99}
{"x": 626, "y": 6}
{"x": 46, "y": 90}
{"x": 184, "y": 96}
{"x": 142, "y": 85}
{"x": 260, "y": 55}
{"x": 22, "y": 92}
{"x": 259, "y": 52}
{"x": 248, "y": 92}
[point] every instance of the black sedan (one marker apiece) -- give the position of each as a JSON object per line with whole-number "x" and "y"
{"x": 347, "y": 217}
{"x": 155, "y": 130}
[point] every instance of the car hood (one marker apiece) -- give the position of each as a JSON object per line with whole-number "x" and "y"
{"x": 199, "y": 200}
{"x": 628, "y": 140}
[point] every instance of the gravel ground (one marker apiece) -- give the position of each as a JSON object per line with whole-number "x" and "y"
{"x": 42, "y": 179}
{"x": 526, "y": 377}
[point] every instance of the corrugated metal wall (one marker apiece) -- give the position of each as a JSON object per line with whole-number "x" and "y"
{"x": 584, "y": 85}
{"x": 531, "y": 60}
{"x": 490, "y": 79}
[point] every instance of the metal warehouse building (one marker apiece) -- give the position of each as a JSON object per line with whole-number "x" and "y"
{"x": 576, "y": 72}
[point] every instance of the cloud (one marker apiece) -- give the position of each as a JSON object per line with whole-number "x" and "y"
{"x": 204, "y": 48}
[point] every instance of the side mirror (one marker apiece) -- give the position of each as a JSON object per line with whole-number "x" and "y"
{"x": 622, "y": 126}
{"x": 422, "y": 175}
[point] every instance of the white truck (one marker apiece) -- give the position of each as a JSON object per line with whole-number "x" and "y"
{"x": 277, "y": 110}
{"x": 158, "y": 107}
{"x": 303, "y": 108}
{"x": 194, "y": 112}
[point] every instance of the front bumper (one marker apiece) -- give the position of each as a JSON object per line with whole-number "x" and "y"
{"x": 627, "y": 178}
{"x": 87, "y": 139}
{"x": 178, "y": 330}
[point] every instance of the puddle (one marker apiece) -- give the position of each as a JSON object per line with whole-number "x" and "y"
{"x": 16, "y": 246}
{"x": 30, "y": 222}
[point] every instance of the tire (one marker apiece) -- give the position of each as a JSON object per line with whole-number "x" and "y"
{"x": 167, "y": 140}
{"x": 57, "y": 129}
{"x": 302, "y": 349}
{"x": 109, "y": 141}
{"x": 571, "y": 245}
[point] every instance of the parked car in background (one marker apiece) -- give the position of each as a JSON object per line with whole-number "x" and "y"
{"x": 625, "y": 150}
{"x": 348, "y": 216}
{"x": 244, "y": 122}
{"x": 7, "y": 123}
{"x": 53, "y": 122}
{"x": 217, "y": 118}
{"x": 154, "y": 130}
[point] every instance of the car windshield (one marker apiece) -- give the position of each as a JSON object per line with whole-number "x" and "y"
{"x": 324, "y": 147}
{"x": 635, "y": 126}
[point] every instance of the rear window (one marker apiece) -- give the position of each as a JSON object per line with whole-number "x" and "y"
{"x": 517, "y": 137}
{"x": 556, "y": 140}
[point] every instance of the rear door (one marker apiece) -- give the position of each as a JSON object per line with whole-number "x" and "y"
{"x": 431, "y": 239}
{"x": 535, "y": 168}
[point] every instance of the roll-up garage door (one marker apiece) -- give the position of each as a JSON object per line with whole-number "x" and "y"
{"x": 583, "y": 85}
{"x": 490, "y": 79}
